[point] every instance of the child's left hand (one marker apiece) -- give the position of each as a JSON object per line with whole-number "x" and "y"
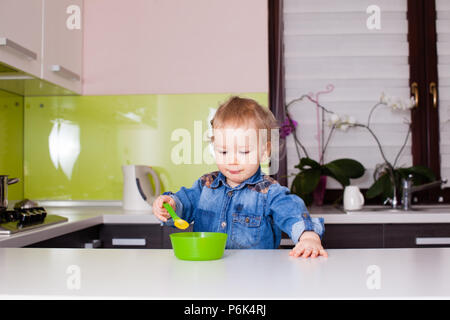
{"x": 308, "y": 245}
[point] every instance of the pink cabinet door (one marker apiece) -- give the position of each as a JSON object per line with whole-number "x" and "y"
{"x": 63, "y": 38}
{"x": 21, "y": 34}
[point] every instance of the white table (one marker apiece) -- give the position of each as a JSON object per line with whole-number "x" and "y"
{"x": 240, "y": 274}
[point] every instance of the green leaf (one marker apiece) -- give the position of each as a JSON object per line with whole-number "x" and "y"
{"x": 388, "y": 188}
{"x": 334, "y": 171}
{"x": 305, "y": 182}
{"x": 421, "y": 174}
{"x": 307, "y": 163}
{"x": 381, "y": 186}
{"x": 349, "y": 167}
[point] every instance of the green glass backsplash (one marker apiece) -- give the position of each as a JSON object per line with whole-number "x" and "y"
{"x": 11, "y": 141}
{"x": 75, "y": 145}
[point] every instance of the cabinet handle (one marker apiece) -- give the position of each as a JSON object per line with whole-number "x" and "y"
{"x": 93, "y": 245}
{"x": 433, "y": 92}
{"x": 128, "y": 242}
{"x": 7, "y": 43}
{"x": 63, "y": 72}
{"x": 432, "y": 241}
{"x": 415, "y": 92}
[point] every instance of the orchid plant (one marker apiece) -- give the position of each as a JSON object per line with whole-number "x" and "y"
{"x": 310, "y": 182}
{"x": 387, "y": 175}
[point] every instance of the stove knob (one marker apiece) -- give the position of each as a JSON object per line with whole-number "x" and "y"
{"x": 25, "y": 219}
{"x": 34, "y": 215}
{"x": 43, "y": 215}
{"x": 10, "y": 216}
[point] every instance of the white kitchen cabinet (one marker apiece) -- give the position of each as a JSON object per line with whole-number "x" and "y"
{"x": 21, "y": 34}
{"x": 63, "y": 43}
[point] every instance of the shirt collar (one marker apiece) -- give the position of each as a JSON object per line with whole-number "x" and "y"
{"x": 255, "y": 178}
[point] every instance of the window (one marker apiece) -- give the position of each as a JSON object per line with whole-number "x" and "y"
{"x": 329, "y": 42}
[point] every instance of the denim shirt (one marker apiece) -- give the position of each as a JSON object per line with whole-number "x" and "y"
{"x": 253, "y": 214}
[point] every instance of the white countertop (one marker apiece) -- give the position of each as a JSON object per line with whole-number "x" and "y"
{"x": 82, "y": 217}
{"x": 240, "y": 274}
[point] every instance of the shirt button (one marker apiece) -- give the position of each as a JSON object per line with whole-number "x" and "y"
{"x": 305, "y": 215}
{"x": 230, "y": 193}
{"x": 247, "y": 220}
{"x": 223, "y": 224}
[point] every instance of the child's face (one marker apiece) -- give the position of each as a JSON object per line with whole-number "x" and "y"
{"x": 237, "y": 153}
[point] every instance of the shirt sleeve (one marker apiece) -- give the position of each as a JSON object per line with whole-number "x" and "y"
{"x": 289, "y": 212}
{"x": 186, "y": 200}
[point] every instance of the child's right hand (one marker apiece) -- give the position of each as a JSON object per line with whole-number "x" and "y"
{"x": 158, "y": 209}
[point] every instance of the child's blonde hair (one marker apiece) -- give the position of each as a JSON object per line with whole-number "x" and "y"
{"x": 241, "y": 112}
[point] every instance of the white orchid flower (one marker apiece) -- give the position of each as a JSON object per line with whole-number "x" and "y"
{"x": 351, "y": 120}
{"x": 334, "y": 119}
{"x": 397, "y": 102}
{"x": 341, "y": 122}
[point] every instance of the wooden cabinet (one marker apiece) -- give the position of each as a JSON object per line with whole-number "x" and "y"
{"x": 417, "y": 235}
{"x": 21, "y": 34}
{"x": 131, "y": 236}
{"x": 76, "y": 239}
{"x": 118, "y": 236}
{"x": 395, "y": 235}
{"x": 347, "y": 236}
{"x": 352, "y": 236}
{"x": 63, "y": 43}
{"x": 337, "y": 236}
{"x": 44, "y": 39}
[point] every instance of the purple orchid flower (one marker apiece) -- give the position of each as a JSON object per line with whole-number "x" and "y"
{"x": 287, "y": 127}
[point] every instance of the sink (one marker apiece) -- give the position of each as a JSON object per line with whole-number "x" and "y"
{"x": 416, "y": 209}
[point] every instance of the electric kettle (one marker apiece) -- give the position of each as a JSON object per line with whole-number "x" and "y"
{"x": 138, "y": 194}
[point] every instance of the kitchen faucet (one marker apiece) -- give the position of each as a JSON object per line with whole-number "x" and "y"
{"x": 409, "y": 189}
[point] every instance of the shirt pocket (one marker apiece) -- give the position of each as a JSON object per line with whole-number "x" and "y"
{"x": 245, "y": 230}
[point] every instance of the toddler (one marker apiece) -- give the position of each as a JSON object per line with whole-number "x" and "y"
{"x": 238, "y": 199}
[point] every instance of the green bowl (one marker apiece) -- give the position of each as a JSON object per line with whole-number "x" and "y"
{"x": 198, "y": 245}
